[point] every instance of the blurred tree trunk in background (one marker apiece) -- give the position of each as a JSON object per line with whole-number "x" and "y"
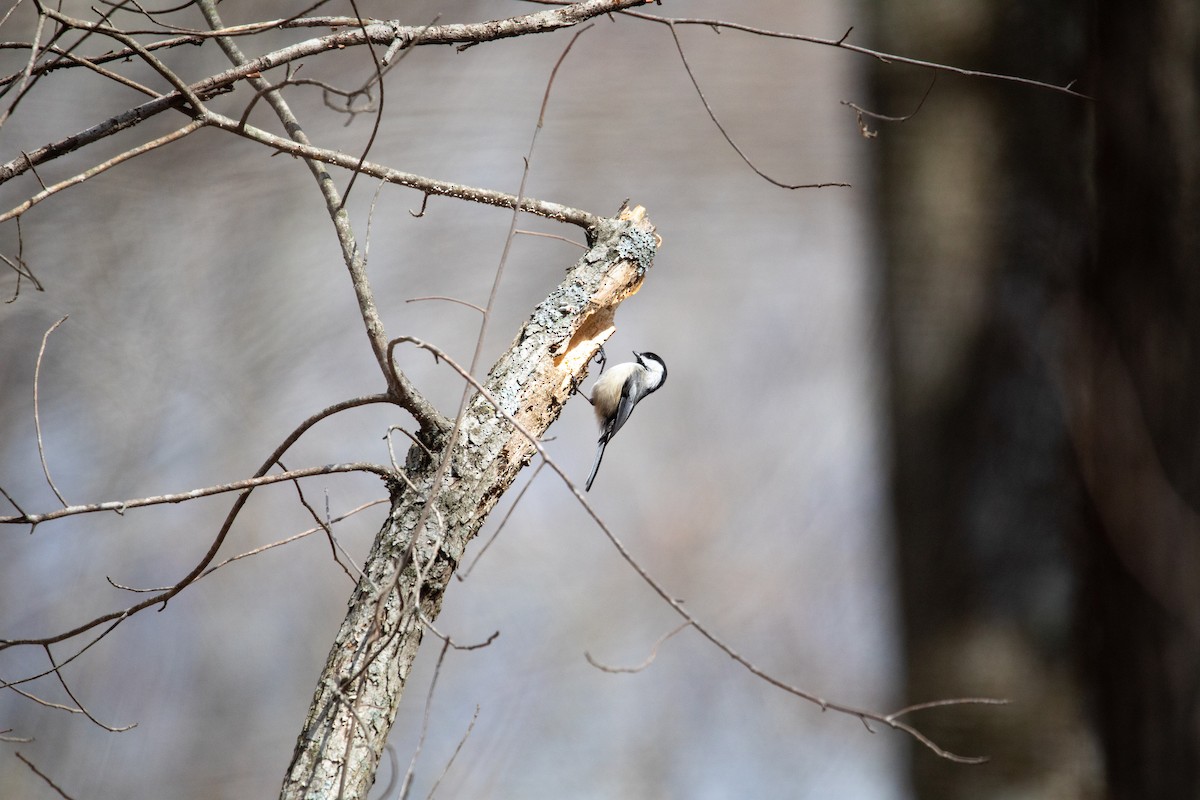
{"x": 1141, "y": 292}
{"x": 1025, "y": 508}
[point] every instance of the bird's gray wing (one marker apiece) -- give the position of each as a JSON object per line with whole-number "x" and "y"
{"x": 624, "y": 409}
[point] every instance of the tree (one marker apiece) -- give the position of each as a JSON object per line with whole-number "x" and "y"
{"x": 1036, "y": 296}
{"x": 503, "y": 416}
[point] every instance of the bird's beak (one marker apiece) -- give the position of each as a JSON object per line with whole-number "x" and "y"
{"x": 637, "y": 355}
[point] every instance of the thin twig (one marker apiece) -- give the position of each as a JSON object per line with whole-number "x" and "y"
{"x": 117, "y": 617}
{"x": 410, "y": 773}
{"x": 455, "y": 645}
{"x": 24, "y": 85}
{"x": 371, "y": 220}
{"x": 454, "y": 755}
{"x": 393, "y": 771}
{"x": 713, "y": 116}
{"x": 29, "y": 679}
{"x": 288, "y": 540}
{"x": 412, "y": 438}
{"x": 44, "y": 777}
{"x": 480, "y": 309}
{"x": 116, "y": 77}
{"x": 954, "y": 701}
{"x": 10, "y": 499}
{"x": 861, "y": 112}
{"x": 327, "y": 527}
{"x": 37, "y": 420}
{"x": 463, "y": 574}
{"x": 382, "y": 67}
{"x": 16, "y": 4}
{"x": 523, "y": 232}
{"x": 33, "y": 698}
{"x": 647, "y": 662}
{"x": 886, "y": 58}
{"x": 185, "y": 90}
{"x": 19, "y": 266}
{"x": 82, "y": 708}
{"x": 263, "y": 87}
{"x": 378, "y": 109}
{"x": 104, "y": 166}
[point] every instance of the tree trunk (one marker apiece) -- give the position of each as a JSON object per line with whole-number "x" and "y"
{"x": 985, "y": 212}
{"x": 1139, "y": 429}
{"x": 359, "y": 690}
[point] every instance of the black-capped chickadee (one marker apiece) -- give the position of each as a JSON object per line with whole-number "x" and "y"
{"x": 617, "y": 391}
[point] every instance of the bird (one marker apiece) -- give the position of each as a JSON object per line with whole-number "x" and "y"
{"x": 616, "y": 393}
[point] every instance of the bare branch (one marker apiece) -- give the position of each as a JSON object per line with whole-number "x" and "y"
{"x": 551, "y": 236}
{"x": 116, "y": 77}
{"x": 110, "y": 126}
{"x": 493, "y": 636}
{"x": 327, "y": 527}
{"x": 41, "y": 701}
{"x": 154, "y": 144}
{"x": 249, "y": 483}
{"x": 117, "y": 617}
{"x": 10, "y": 499}
{"x": 480, "y": 309}
{"x": 454, "y": 755}
{"x": 82, "y": 709}
{"x": 18, "y": 265}
{"x": 649, "y": 659}
{"x": 150, "y": 15}
{"x": 257, "y": 550}
{"x": 955, "y": 701}
{"x": 861, "y": 112}
{"x": 44, "y": 777}
{"x": 124, "y": 38}
{"x": 37, "y": 419}
{"x": 378, "y": 67}
{"x": 381, "y": 33}
{"x": 887, "y": 58}
{"x": 412, "y": 764}
{"x": 23, "y": 87}
{"x": 463, "y": 574}
{"x": 3, "y": 20}
{"x": 713, "y": 116}
{"x": 430, "y": 186}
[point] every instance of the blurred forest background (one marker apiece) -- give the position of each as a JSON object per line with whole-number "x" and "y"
{"x": 931, "y": 436}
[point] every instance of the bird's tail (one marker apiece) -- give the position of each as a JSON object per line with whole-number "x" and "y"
{"x": 596, "y": 466}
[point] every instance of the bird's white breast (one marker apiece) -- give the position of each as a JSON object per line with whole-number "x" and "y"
{"x": 606, "y": 394}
